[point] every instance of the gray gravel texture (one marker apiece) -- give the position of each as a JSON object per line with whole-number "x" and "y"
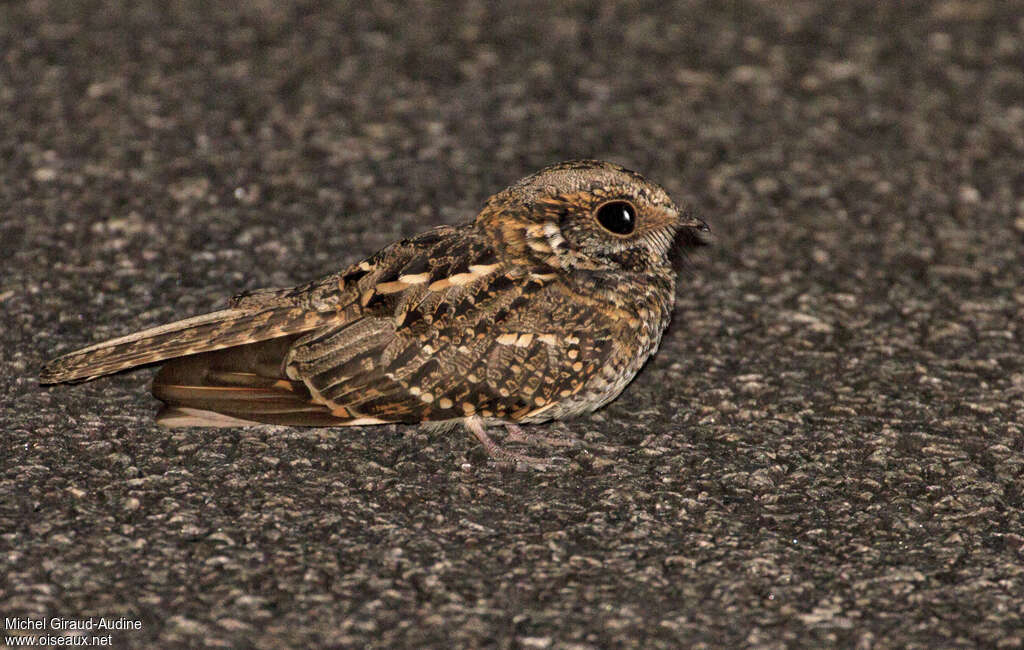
{"x": 828, "y": 449}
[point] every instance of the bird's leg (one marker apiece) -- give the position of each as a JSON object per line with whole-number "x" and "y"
{"x": 516, "y": 434}
{"x": 499, "y": 453}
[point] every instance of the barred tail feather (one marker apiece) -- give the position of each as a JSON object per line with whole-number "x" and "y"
{"x": 237, "y": 386}
{"x": 214, "y": 331}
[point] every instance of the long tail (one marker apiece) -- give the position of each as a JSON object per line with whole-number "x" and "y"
{"x": 215, "y": 331}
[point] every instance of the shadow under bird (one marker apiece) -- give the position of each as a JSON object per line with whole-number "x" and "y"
{"x": 544, "y": 307}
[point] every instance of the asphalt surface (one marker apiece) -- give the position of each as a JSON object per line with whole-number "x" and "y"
{"x": 828, "y": 450}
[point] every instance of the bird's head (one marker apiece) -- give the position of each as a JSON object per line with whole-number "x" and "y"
{"x": 588, "y": 214}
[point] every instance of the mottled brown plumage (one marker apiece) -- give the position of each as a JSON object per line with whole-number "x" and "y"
{"x": 544, "y": 307}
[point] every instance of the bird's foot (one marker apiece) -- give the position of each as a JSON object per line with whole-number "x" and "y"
{"x": 516, "y": 434}
{"x": 500, "y": 455}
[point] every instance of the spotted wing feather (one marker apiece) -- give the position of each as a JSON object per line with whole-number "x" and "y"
{"x": 282, "y": 380}
{"x": 432, "y": 358}
{"x": 251, "y": 317}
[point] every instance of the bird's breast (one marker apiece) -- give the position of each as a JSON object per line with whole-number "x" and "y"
{"x": 633, "y": 317}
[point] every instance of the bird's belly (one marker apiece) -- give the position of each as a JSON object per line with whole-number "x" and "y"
{"x": 607, "y": 384}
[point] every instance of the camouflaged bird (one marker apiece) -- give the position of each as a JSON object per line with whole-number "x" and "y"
{"x": 544, "y": 307}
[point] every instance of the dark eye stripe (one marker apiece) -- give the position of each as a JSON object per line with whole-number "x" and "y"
{"x": 618, "y": 217}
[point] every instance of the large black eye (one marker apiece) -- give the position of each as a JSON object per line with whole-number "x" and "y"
{"x": 617, "y": 217}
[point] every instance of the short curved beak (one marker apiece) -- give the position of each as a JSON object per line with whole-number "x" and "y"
{"x": 688, "y": 220}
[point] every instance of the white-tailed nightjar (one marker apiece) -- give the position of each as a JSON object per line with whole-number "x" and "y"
{"x": 543, "y": 307}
